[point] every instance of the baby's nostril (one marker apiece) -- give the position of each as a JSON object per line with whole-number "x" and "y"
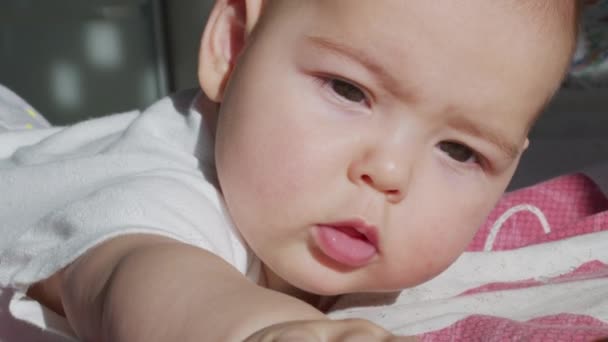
{"x": 367, "y": 179}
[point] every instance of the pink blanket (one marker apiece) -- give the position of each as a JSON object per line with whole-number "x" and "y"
{"x": 536, "y": 271}
{"x": 558, "y": 209}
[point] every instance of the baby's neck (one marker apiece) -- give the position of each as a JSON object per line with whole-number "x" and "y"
{"x": 272, "y": 281}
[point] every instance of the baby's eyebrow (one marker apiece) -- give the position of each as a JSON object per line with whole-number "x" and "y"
{"x": 485, "y": 132}
{"x": 390, "y": 83}
{"x": 457, "y": 120}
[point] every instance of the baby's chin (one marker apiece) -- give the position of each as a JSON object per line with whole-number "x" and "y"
{"x": 339, "y": 286}
{"x": 308, "y": 274}
{"x": 365, "y": 282}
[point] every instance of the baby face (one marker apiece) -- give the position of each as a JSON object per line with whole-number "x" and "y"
{"x": 360, "y": 145}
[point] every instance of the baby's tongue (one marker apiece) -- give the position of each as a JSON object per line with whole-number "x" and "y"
{"x": 345, "y": 245}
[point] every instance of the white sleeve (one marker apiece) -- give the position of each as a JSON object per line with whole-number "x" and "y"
{"x": 80, "y": 187}
{"x": 169, "y": 203}
{"x": 65, "y": 190}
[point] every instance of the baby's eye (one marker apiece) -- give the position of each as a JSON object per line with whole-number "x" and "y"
{"x": 458, "y": 152}
{"x": 348, "y": 91}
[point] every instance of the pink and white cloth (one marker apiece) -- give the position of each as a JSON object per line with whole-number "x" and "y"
{"x": 536, "y": 271}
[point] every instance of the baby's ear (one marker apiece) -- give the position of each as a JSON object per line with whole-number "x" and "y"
{"x": 227, "y": 29}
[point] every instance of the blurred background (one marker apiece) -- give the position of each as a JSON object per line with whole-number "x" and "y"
{"x": 75, "y": 59}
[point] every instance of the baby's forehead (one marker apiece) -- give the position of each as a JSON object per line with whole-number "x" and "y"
{"x": 476, "y": 52}
{"x": 539, "y": 11}
{"x": 391, "y": 26}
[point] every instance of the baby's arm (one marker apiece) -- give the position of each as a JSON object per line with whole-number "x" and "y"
{"x": 149, "y": 288}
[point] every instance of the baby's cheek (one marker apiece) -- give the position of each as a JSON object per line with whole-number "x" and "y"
{"x": 281, "y": 183}
{"x": 440, "y": 247}
{"x": 438, "y": 257}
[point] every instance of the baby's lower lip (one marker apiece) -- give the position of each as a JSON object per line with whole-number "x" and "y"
{"x": 342, "y": 247}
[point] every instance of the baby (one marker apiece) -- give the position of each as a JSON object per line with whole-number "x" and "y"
{"x": 338, "y": 146}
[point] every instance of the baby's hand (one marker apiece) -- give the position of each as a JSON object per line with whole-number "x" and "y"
{"x": 350, "y": 330}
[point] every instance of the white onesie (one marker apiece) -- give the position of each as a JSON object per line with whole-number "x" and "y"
{"x": 66, "y": 190}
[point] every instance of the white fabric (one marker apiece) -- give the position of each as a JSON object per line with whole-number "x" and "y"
{"x": 16, "y": 114}
{"x": 66, "y": 190}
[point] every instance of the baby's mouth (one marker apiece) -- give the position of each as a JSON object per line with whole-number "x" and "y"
{"x": 352, "y": 243}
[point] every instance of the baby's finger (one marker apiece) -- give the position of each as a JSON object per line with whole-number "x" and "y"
{"x": 322, "y": 331}
{"x": 402, "y": 339}
{"x": 355, "y": 330}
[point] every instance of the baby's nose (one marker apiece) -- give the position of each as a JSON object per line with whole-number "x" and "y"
{"x": 385, "y": 172}
{"x": 393, "y": 193}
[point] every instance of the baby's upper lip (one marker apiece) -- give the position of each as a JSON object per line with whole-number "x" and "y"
{"x": 368, "y": 230}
